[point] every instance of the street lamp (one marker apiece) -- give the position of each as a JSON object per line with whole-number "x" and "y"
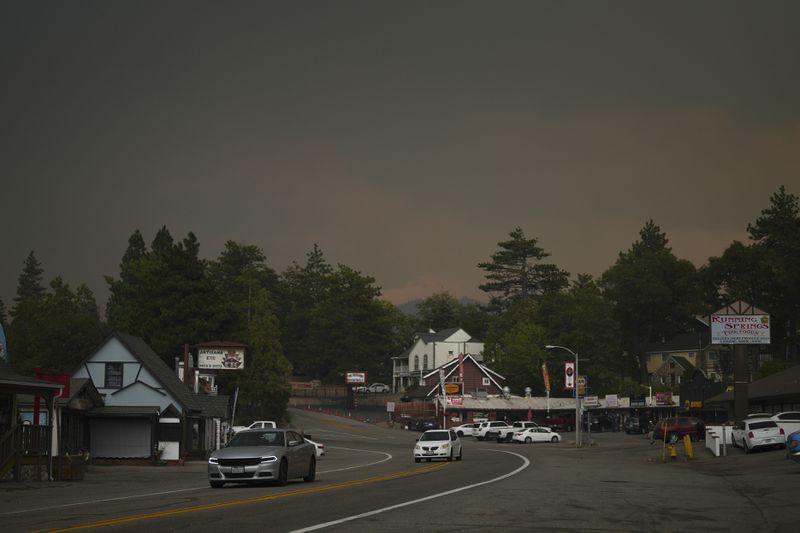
{"x": 577, "y": 397}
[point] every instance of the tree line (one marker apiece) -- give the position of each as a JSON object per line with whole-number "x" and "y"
{"x": 318, "y": 320}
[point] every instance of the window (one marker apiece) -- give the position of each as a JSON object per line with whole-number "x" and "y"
{"x": 486, "y": 382}
{"x": 425, "y": 362}
{"x": 416, "y": 362}
{"x": 113, "y": 376}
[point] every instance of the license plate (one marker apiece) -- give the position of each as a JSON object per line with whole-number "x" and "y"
{"x": 429, "y": 452}
{"x": 237, "y": 470}
{"x": 767, "y": 440}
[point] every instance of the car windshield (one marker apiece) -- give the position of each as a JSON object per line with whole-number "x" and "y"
{"x": 435, "y": 435}
{"x": 257, "y": 438}
{"x": 762, "y": 425}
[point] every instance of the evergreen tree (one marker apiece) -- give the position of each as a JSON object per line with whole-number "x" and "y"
{"x": 516, "y": 274}
{"x": 264, "y": 382}
{"x": 439, "y": 311}
{"x": 24, "y": 341}
{"x": 164, "y": 295}
{"x": 653, "y": 293}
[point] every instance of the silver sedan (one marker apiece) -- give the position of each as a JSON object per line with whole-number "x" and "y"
{"x": 258, "y": 455}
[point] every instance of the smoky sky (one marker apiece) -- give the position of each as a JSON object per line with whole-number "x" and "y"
{"x": 404, "y": 138}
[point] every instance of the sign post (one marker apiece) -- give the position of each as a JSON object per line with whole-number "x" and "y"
{"x": 740, "y": 324}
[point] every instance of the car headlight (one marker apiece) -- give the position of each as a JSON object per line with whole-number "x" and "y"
{"x": 213, "y": 461}
{"x": 445, "y": 445}
{"x": 268, "y": 459}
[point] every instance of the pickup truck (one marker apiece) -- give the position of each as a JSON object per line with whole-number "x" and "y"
{"x": 506, "y": 434}
{"x": 488, "y": 430}
{"x": 258, "y": 424}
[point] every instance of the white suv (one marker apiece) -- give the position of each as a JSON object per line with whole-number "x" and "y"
{"x": 378, "y": 387}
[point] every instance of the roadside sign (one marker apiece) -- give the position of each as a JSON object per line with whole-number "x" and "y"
{"x": 390, "y": 407}
{"x": 355, "y": 377}
{"x": 582, "y": 385}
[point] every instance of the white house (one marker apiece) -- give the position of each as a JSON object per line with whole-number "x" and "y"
{"x": 431, "y": 350}
{"x": 146, "y": 407}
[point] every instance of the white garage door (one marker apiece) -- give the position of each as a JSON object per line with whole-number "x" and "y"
{"x": 120, "y": 437}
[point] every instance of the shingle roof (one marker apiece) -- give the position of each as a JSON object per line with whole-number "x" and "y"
{"x": 12, "y": 380}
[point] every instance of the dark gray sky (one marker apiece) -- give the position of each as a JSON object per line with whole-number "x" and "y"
{"x": 405, "y": 138}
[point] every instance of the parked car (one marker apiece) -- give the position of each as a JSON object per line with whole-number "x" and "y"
{"x": 560, "y": 423}
{"x": 537, "y": 434}
{"x": 465, "y": 429}
{"x": 422, "y": 424}
{"x": 360, "y": 388}
{"x": 789, "y": 421}
{"x": 258, "y": 455}
{"x": 379, "y": 388}
{"x": 506, "y": 434}
{"x": 637, "y": 424}
{"x": 758, "y": 433}
{"x": 438, "y": 444}
{"x": 599, "y": 423}
{"x": 793, "y": 446}
{"x": 676, "y": 428}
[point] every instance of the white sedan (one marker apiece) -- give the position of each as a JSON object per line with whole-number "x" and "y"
{"x": 538, "y": 434}
{"x": 438, "y": 444}
{"x": 758, "y": 433}
{"x": 465, "y": 429}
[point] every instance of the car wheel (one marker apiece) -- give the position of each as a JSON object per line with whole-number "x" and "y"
{"x": 450, "y": 457}
{"x": 747, "y": 449}
{"x": 312, "y": 470}
{"x": 460, "y": 434}
{"x": 554, "y": 439}
{"x": 528, "y": 440}
{"x": 460, "y": 451}
{"x": 216, "y": 484}
{"x": 283, "y": 473}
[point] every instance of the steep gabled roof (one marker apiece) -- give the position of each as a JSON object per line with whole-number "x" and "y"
{"x": 198, "y": 403}
{"x": 441, "y": 336}
{"x": 451, "y": 367}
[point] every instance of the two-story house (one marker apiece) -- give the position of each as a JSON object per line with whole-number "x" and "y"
{"x": 431, "y": 350}
{"x": 693, "y": 347}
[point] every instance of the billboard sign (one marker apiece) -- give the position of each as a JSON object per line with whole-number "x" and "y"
{"x": 355, "y": 377}
{"x": 220, "y": 358}
{"x": 453, "y": 388}
{"x": 664, "y": 398}
{"x": 740, "y": 329}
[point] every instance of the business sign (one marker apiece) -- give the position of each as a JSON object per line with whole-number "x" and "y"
{"x": 664, "y": 398}
{"x": 220, "y": 358}
{"x": 591, "y": 401}
{"x": 638, "y": 400}
{"x": 740, "y": 329}
{"x": 390, "y": 407}
{"x": 455, "y": 400}
{"x": 351, "y": 378}
{"x": 453, "y": 388}
{"x": 612, "y": 400}
{"x": 569, "y": 375}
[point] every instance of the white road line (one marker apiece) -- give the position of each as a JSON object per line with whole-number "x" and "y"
{"x": 387, "y": 457}
{"x": 525, "y": 465}
{"x": 105, "y": 500}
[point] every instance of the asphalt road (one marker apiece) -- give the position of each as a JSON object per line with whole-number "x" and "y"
{"x": 368, "y": 482}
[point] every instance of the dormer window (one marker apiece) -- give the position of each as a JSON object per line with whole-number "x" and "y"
{"x": 113, "y": 376}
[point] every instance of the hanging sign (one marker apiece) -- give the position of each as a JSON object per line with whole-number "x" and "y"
{"x": 740, "y": 329}
{"x": 569, "y": 375}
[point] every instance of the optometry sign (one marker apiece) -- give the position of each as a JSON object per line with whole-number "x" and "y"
{"x": 569, "y": 375}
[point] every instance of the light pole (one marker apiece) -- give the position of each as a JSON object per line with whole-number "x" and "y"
{"x": 577, "y": 397}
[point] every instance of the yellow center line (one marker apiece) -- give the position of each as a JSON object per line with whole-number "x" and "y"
{"x": 205, "y": 507}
